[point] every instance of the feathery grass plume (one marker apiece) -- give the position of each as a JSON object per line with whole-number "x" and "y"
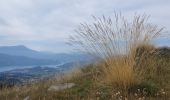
{"x": 115, "y": 40}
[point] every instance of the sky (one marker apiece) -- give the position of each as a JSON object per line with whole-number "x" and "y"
{"x": 45, "y": 25}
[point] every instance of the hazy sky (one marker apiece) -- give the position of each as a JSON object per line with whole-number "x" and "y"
{"x": 46, "y": 24}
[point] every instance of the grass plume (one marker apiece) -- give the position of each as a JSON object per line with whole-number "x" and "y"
{"x": 115, "y": 41}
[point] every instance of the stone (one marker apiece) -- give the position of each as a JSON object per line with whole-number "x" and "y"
{"x": 27, "y": 98}
{"x": 61, "y": 87}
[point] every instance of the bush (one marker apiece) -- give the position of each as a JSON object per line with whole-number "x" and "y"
{"x": 114, "y": 41}
{"x": 144, "y": 89}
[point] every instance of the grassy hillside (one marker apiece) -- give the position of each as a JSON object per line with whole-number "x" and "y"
{"x": 92, "y": 82}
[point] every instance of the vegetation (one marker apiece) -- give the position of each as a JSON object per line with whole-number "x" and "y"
{"x": 130, "y": 66}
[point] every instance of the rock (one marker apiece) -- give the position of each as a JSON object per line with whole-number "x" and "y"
{"x": 61, "y": 87}
{"x": 26, "y": 98}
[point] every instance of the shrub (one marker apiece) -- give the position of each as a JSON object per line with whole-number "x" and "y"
{"x": 115, "y": 42}
{"x": 148, "y": 88}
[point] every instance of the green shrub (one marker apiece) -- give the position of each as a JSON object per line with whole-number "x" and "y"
{"x": 148, "y": 88}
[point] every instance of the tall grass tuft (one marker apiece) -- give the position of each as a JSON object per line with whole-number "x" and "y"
{"x": 115, "y": 40}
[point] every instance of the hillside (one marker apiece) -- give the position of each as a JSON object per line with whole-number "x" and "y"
{"x": 88, "y": 83}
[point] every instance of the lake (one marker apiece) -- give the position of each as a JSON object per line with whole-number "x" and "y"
{"x": 8, "y": 68}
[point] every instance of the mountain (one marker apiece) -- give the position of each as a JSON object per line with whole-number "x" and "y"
{"x": 21, "y": 50}
{"x": 8, "y": 60}
{"x": 21, "y": 54}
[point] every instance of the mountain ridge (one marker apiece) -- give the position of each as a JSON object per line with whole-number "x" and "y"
{"x": 9, "y": 60}
{"x": 18, "y": 54}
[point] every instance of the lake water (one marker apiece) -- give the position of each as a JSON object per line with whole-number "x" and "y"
{"x": 8, "y": 68}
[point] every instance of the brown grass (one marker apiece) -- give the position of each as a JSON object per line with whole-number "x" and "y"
{"x": 118, "y": 73}
{"x": 70, "y": 75}
{"x": 115, "y": 41}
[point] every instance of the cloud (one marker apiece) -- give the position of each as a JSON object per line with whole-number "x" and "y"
{"x": 39, "y": 23}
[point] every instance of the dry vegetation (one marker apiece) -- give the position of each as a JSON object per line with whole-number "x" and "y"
{"x": 116, "y": 41}
{"x": 130, "y": 67}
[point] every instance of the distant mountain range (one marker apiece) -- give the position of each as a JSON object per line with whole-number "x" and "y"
{"x": 8, "y": 60}
{"x": 21, "y": 55}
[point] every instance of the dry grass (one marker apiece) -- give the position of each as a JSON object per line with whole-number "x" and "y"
{"x": 115, "y": 42}
{"x": 119, "y": 73}
{"x": 70, "y": 75}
